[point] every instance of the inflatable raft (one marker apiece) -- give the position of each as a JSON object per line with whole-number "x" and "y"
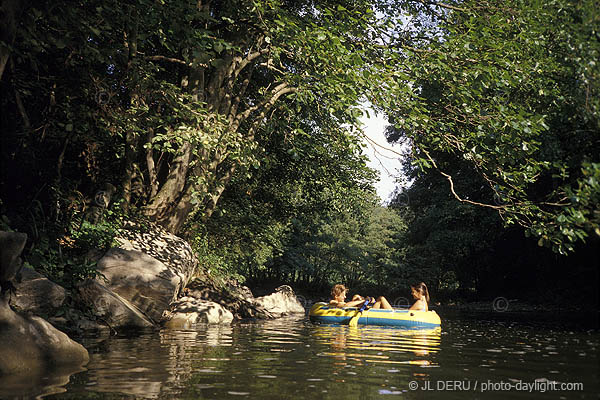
{"x": 324, "y": 314}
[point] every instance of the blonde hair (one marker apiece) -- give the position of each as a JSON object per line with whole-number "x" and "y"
{"x": 338, "y": 290}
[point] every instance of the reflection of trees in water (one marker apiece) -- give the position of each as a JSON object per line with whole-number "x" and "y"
{"x": 150, "y": 368}
{"x": 131, "y": 366}
{"x": 250, "y": 356}
{"x": 190, "y": 351}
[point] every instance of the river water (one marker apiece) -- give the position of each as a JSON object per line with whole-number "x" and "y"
{"x": 471, "y": 357}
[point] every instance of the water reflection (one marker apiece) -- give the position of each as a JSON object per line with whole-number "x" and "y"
{"x": 120, "y": 366}
{"x": 37, "y": 384}
{"x": 292, "y": 358}
{"x": 380, "y": 345}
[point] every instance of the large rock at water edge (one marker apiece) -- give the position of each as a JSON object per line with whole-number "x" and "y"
{"x": 283, "y": 301}
{"x": 29, "y": 344}
{"x": 112, "y": 309}
{"x": 234, "y": 297}
{"x": 36, "y": 294}
{"x": 143, "y": 281}
{"x": 189, "y": 311}
{"x": 153, "y": 240}
{"x": 11, "y": 246}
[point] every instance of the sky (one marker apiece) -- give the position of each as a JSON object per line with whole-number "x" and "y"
{"x": 384, "y": 161}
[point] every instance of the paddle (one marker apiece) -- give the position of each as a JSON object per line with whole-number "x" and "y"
{"x": 354, "y": 320}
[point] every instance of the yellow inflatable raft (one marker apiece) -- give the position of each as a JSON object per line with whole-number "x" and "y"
{"x": 324, "y": 314}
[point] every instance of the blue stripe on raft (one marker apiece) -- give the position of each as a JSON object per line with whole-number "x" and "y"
{"x": 399, "y": 322}
{"x": 343, "y": 320}
{"x": 332, "y": 319}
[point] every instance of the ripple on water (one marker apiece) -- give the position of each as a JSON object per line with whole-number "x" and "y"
{"x": 295, "y": 359}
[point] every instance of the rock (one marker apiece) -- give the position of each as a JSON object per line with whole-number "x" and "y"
{"x": 282, "y": 302}
{"x": 11, "y": 246}
{"x": 111, "y": 308}
{"x": 36, "y": 294}
{"x": 243, "y": 292}
{"x": 165, "y": 247}
{"x": 235, "y": 298}
{"x": 29, "y": 344}
{"x": 37, "y": 384}
{"x": 189, "y": 311}
{"x": 145, "y": 275}
{"x": 143, "y": 281}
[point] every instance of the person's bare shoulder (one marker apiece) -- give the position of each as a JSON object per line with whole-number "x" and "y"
{"x": 419, "y": 305}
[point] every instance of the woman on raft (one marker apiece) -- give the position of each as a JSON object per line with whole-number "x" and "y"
{"x": 421, "y": 295}
{"x": 338, "y": 299}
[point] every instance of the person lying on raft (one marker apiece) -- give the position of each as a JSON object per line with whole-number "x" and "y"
{"x": 421, "y": 295}
{"x": 338, "y": 294}
{"x": 338, "y": 297}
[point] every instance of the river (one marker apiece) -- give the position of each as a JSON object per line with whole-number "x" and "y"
{"x": 475, "y": 357}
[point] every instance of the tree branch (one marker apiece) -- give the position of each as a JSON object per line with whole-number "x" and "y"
{"x": 267, "y": 103}
{"x": 267, "y": 106}
{"x": 238, "y": 98}
{"x": 442, "y": 5}
{"x": 454, "y": 192}
{"x": 173, "y": 60}
{"x": 251, "y": 57}
{"x": 150, "y": 165}
{"x": 19, "y": 101}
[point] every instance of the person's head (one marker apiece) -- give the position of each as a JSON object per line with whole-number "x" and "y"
{"x": 420, "y": 290}
{"x": 338, "y": 290}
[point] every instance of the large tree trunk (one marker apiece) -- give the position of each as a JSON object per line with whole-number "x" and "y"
{"x": 206, "y": 173}
{"x": 131, "y": 141}
{"x": 163, "y": 207}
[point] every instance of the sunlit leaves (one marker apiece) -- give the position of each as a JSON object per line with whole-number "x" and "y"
{"x": 511, "y": 87}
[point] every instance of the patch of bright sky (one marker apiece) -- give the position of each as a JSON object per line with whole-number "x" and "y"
{"x": 388, "y": 163}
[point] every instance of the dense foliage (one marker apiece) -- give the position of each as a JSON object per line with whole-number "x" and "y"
{"x": 513, "y": 88}
{"x": 235, "y": 124}
{"x": 164, "y": 99}
{"x": 162, "y": 104}
{"x": 498, "y": 103}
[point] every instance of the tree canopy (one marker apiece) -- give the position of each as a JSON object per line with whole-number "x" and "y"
{"x": 235, "y": 124}
{"x": 174, "y": 93}
{"x": 513, "y": 88}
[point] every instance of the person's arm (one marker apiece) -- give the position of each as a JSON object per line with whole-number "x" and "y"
{"x": 357, "y": 300}
{"x": 354, "y": 303}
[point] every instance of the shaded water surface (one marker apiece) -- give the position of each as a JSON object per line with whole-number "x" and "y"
{"x": 294, "y": 359}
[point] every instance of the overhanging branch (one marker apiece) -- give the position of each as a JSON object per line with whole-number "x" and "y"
{"x": 456, "y": 196}
{"x": 442, "y": 5}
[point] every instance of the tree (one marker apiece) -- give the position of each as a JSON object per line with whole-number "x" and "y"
{"x": 512, "y": 88}
{"x": 10, "y": 12}
{"x": 447, "y": 244}
{"x": 269, "y": 217}
{"x": 174, "y": 93}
